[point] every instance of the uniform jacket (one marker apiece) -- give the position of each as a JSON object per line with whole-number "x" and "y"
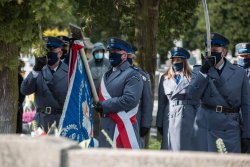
{"x": 230, "y": 89}
{"x": 40, "y": 86}
{"x": 248, "y": 73}
{"x": 144, "y": 114}
{"x": 162, "y": 113}
{"x": 181, "y": 111}
{"x": 97, "y": 70}
{"x": 125, "y": 87}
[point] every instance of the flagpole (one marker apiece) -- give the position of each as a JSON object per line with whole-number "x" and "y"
{"x": 91, "y": 82}
{"x": 78, "y": 34}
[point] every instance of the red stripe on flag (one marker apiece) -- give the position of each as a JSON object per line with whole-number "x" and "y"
{"x": 74, "y": 50}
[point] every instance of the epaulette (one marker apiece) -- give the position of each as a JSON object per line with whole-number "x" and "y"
{"x": 135, "y": 77}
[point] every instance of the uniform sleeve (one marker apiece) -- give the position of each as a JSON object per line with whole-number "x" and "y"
{"x": 245, "y": 107}
{"x": 162, "y": 104}
{"x": 28, "y": 85}
{"x": 130, "y": 98}
{"x": 146, "y": 103}
{"x": 197, "y": 85}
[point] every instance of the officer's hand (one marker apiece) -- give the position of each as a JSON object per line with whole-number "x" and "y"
{"x": 40, "y": 62}
{"x": 160, "y": 130}
{"x": 245, "y": 144}
{"x": 144, "y": 131}
{"x": 98, "y": 106}
{"x": 208, "y": 62}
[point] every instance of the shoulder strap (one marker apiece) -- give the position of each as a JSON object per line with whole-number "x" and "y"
{"x": 219, "y": 91}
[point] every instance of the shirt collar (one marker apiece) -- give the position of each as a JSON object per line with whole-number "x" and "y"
{"x": 56, "y": 68}
{"x": 221, "y": 66}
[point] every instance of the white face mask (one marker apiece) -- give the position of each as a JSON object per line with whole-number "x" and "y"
{"x": 98, "y": 56}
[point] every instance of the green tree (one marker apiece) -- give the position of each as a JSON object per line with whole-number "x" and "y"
{"x": 21, "y": 22}
{"x": 161, "y": 22}
{"x": 142, "y": 23}
{"x": 103, "y": 19}
{"x": 227, "y": 17}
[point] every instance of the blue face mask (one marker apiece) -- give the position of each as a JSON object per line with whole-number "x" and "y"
{"x": 98, "y": 56}
{"x": 244, "y": 62}
{"x": 115, "y": 59}
{"x": 217, "y": 56}
{"x": 178, "y": 66}
{"x": 52, "y": 58}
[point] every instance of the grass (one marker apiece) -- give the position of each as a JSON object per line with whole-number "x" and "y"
{"x": 154, "y": 144}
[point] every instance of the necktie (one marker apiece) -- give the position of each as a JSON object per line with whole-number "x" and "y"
{"x": 219, "y": 71}
{"x": 52, "y": 72}
{"x": 178, "y": 79}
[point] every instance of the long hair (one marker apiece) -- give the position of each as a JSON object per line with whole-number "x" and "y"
{"x": 170, "y": 73}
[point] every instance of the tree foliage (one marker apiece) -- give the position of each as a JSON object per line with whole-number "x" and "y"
{"x": 103, "y": 19}
{"x": 175, "y": 19}
{"x": 21, "y": 21}
{"x": 227, "y": 17}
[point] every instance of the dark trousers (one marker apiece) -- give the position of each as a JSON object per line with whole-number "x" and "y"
{"x": 45, "y": 121}
{"x": 19, "y": 128}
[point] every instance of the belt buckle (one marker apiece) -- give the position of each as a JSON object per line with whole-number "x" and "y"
{"x": 48, "y": 110}
{"x": 219, "y": 108}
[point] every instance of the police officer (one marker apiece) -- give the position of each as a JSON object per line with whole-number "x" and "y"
{"x": 120, "y": 93}
{"x": 176, "y": 103}
{"x": 243, "y": 53}
{"x": 144, "y": 114}
{"x": 98, "y": 66}
{"x": 242, "y": 50}
{"x": 65, "y": 48}
{"x": 224, "y": 90}
{"x": 49, "y": 83}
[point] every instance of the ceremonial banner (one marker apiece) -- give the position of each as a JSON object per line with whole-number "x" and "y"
{"x": 76, "y": 122}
